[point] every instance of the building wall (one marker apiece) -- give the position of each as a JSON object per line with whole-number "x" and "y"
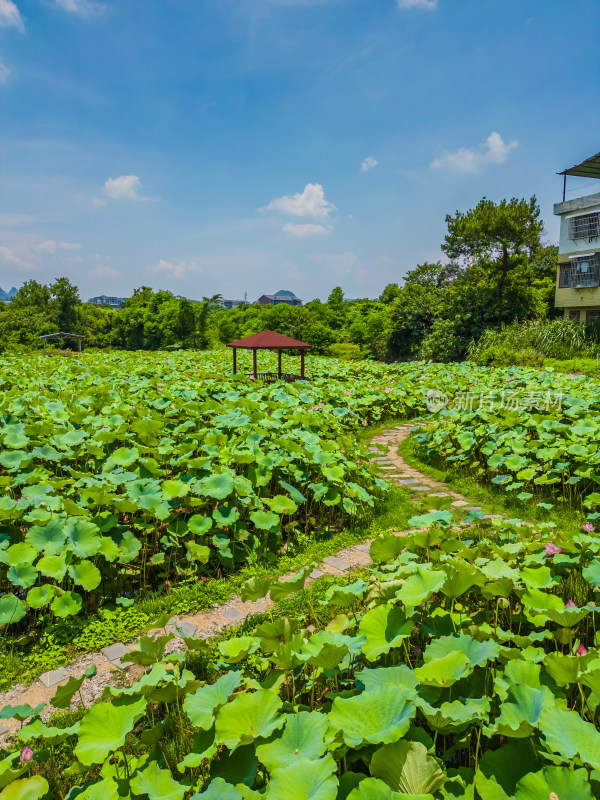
{"x": 571, "y": 299}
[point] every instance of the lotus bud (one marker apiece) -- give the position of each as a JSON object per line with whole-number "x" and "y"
{"x": 26, "y": 755}
{"x": 582, "y": 651}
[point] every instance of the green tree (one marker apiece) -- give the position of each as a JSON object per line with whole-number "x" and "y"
{"x": 202, "y": 313}
{"x": 496, "y": 235}
{"x": 436, "y": 274}
{"x": 390, "y": 293}
{"x": 65, "y": 302}
{"x": 32, "y": 295}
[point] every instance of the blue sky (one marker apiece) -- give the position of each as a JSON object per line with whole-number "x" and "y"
{"x": 235, "y": 146}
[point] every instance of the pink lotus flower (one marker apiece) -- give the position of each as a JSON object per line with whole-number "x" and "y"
{"x": 582, "y": 651}
{"x": 346, "y": 391}
{"x": 570, "y": 604}
{"x": 387, "y": 390}
{"x": 358, "y": 461}
{"x": 26, "y": 755}
{"x": 588, "y": 527}
{"x": 552, "y": 549}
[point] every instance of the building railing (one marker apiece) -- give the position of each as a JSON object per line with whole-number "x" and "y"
{"x": 273, "y": 377}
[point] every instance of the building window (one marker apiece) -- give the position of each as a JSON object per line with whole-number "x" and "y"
{"x": 592, "y": 317}
{"x": 574, "y": 316}
{"x": 579, "y": 273}
{"x": 585, "y": 226}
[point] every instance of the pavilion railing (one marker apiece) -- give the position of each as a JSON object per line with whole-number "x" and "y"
{"x": 272, "y": 377}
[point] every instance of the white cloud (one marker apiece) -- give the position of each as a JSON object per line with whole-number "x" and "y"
{"x": 425, "y": 5}
{"x": 309, "y": 203}
{"x": 10, "y": 16}
{"x": 368, "y": 164}
{"x": 4, "y": 72}
{"x": 175, "y": 270}
{"x": 15, "y": 220}
{"x": 82, "y": 7}
{"x": 125, "y": 187}
{"x": 495, "y": 151}
{"x": 7, "y": 255}
{"x": 104, "y": 271}
{"x": 306, "y": 229}
{"x": 50, "y": 246}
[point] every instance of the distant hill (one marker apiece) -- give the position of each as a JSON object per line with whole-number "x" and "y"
{"x": 7, "y": 295}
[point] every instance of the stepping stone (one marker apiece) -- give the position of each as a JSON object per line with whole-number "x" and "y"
{"x": 114, "y": 651}
{"x": 316, "y": 573}
{"x": 459, "y": 503}
{"x": 186, "y": 628}
{"x": 234, "y": 614}
{"x": 122, "y": 665}
{"x": 408, "y": 481}
{"x": 473, "y": 508}
{"x": 420, "y": 488}
{"x": 333, "y": 561}
{"x": 387, "y": 469}
{"x": 492, "y": 516}
{"x": 438, "y": 494}
{"x": 54, "y": 676}
{"x": 364, "y": 548}
{"x": 4, "y": 729}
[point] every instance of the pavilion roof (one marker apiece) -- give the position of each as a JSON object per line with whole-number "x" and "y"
{"x": 268, "y": 340}
{"x": 590, "y": 168}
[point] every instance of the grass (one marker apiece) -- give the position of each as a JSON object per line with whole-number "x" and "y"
{"x": 492, "y": 500}
{"x": 59, "y": 642}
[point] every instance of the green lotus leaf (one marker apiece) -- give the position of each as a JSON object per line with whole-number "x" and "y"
{"x": 218, "y": 486}
{"x": 66, "y": 604}
{"x": 477, "y": 652}
{"x": 569, "y": 735}
{"x": 265, "y": 520}
{"x": 49, "y": 539}
{"x": 199, "y": 524}
{"x": 218, "y": 789}
{"x": 202, "y": 706}
{"x": 326, "y": 649}
{"x": 53, "y": 566}
{"x": 384, "y": 628}
{"x": 106, "y": 789}
{"x": 52, "y": 736}
{"x": 11, "y": 609}
{"x": 83, "y": 538}
{"x": 148, "y": 650}
{"x": 12, "y": 460}
{"x": 444, "y": 671}
{"x": 235, "y": 650}
{"x": 377, "y": 716}
{"x": 554, "y": 781}
{"x": 85, "y": 574}
{"x": 386, "y": 547}
{"x": 20, "y": 553}
{"x": 226, "y": 516}
{"x": 460, "y": 577}
{"x": 303, "y": 737}
{"x": 255, "y": 589}
{"x": 25, "y": 788}
{"x": 198, "y": 552}
{"x": 122, "y": 457}
{"x": 342, "y": 596}
{"x": 203, "y": 747}
{"x": 64, "y": 694}
{"x": 273, "y": 634}
{"x": 443, "y": 518}
{"x": 40, "y": 596}
{"x": 281, "y": 504}
{"x": 296, "y": 496}
{"x": 237, "y": 767}
{"x": 286, "y": 586}
{"x": 419, "y": 587}
{"x": 103, "y": 729}
{"x": 520, "y": 712}
{"x": 374, "y": 789}
{"x": 305, "y": 780}
{"x": 248, "y": 717}
{"x": 399, "y": 675}
{"x": 22, "y": 712}
{"x": 14, "y": 437}
{"x": 591, "y": 573}
{"x": 407, "y": 767}
{"x": 455, "y": 716}
{"x": 157, "y": 783}
{"x": 539, "y": 577}
{"x": 174, "y": 488}
{"x": 22, "y": 575}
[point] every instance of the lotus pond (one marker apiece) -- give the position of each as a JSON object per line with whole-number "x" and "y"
{"x": 465, "y": 663}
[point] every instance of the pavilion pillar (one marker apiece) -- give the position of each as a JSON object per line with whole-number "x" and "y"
{"x": 279, "y": 363}
{"x": 302, "y": 364}
{"x": 234, "y": 360}
{"x": 254, "y": 362}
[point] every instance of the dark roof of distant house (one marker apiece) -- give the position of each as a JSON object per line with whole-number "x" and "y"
{"x": 590, "y": 168}
{"x": 267, "y": 340}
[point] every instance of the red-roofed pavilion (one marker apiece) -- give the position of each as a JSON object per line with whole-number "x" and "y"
{"x": 269, "y": 340}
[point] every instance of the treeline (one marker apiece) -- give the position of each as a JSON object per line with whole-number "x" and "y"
{"x": 499, "y": 271}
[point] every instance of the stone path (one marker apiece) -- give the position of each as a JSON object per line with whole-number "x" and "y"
{"x": 110, "y": 668}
